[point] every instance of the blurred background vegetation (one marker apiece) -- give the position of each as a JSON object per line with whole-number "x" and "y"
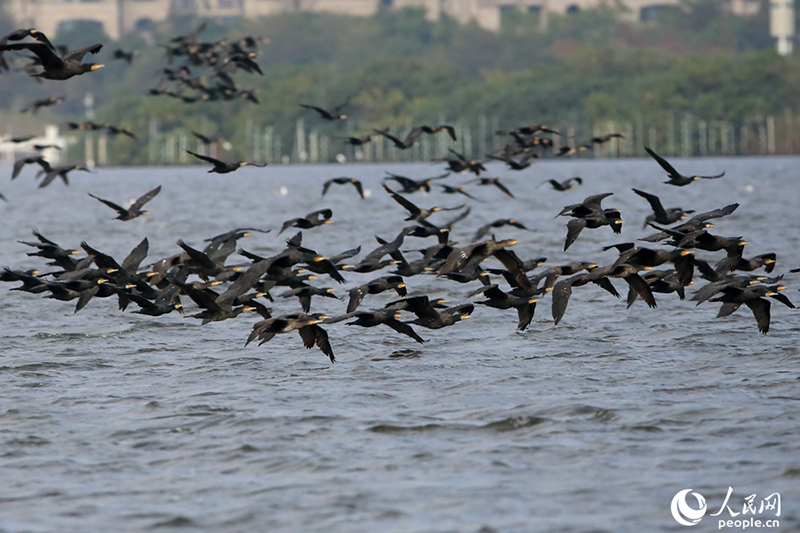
{"x": 401, "y": 70}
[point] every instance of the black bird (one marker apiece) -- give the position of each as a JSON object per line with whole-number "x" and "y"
{"x": 462, "y": 164}
{"x": 221, "y": 167}
{"x": 605, "y": 138}
{"x": 374, "y": 260}
{"x": 525, "y": 305}
{"x": 695, "y": 223}
{"x": 570, "y": 150}
{"x": 58, "y": 172}
{"x": 135, "y": 208}
{"x": 305, "y": 325}
{"x": 333, "y": 114}
{"x": 590, "y": 214}
{"x": 429, "y": 317}
{"x": 564, "y": 185}
{"x": 411, "y": 186}
{"x": 492, "y": 181}
{"x": 207, "y": 141}
{"x": 305, "y": 293}
{"x": 417, "y": 214}
{"x": 417, "y": 131}
{"x": 398, "y": 143}
{"x": 359, "y": 141}
{"x": 447, "y": 189}
{"x": 114, "y": 131}
{"x": 517, "y": 162}
{"x": 661, "y": 215}
{"x": 376, "y": 286}
{"x": 752, "y": 297}
{"x": 531, "y": 130}
{"x": 386, "y": 316}
{"x": 343, "y": 181}
{"x": 59, "y": 68}
{"x": 119, "y": 53}
{"x": 18, "y": 35}
{"x": 499, "y": 223}
{"x": 748, "y": 265}
{"x": 45, "y": 102}
{"x": 676, "y": 178}
{"x": 311, "y": 220}
{"x": 20, "y": 163}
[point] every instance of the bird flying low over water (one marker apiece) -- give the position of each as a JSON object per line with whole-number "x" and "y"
{"x": 675, "y": 177}
{"x": 135, "y": 209}
{"x": 563, "y": 185}
{"x": 343, "y": 181}
{"x": 221, "y": 167}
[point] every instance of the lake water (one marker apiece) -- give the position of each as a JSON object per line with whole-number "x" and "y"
{"x": 113, "y": 421}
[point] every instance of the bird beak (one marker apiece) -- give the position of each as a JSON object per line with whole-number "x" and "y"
{"x": 249, "y": 309}
{"x": 780, "y": 287}
{"x": 101, "y": 280}
{"x": 401, "y": 285}
{"x": 329, "y": 222}
{"x": 320, "y": 258}
{"x": 533, "y": 300}
{"x": 686, "y": 252}
{"x": 95, "y": 67}
{"x": 178, "y": 306}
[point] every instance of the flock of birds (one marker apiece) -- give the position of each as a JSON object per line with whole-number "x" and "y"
{"x": 222, "y": 291}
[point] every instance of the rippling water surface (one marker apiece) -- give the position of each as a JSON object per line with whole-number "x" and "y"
{"x": 112, "y": 421}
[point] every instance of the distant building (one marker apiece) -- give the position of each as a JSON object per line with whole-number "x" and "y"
{"x": 118, "y": 17}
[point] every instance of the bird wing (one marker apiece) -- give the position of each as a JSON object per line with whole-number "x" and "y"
{"x": 137, "y": 255}
{"x": 211, "y": 160}
{"x": 407, "y": 183}
{"x": 359, "y": 188}
{"x": 561, "y": 293}
{"x": 51, "y": 175}
{"x": 654, "y": 201}
{"x": 118, "y": 208}
{"x": 712, "y": 177}
{"x": 314, "y": 334}
{"x": 503, "y": 188}
{"x": 77, "y": 55}
{"x": 405, "y": 329}
{"x": 760, "y": 308}
{"x": 410, "y": 207}
{"x": 525, "y": 314}
{"x": 339, "y": 107}
{"x": 716, "y": 213}
{"x": 514, "y": 265}
{"x": 574, "y": 228}
{"x": 356, "y": 296}
{"x": 641, "y": 287}
{"x": 137, "y": 205}
{"x": 326, "y": 214}
{"x": 322, "y": 112}
{"x": 326, "y": 186}
{"x": 663, "y": 162}
{"x": 49, "y": 58}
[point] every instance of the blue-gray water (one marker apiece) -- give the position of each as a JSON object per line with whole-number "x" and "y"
{"x": 112, "y": 421}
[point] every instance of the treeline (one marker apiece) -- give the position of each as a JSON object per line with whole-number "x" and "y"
{"x": 400, "y": 69}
